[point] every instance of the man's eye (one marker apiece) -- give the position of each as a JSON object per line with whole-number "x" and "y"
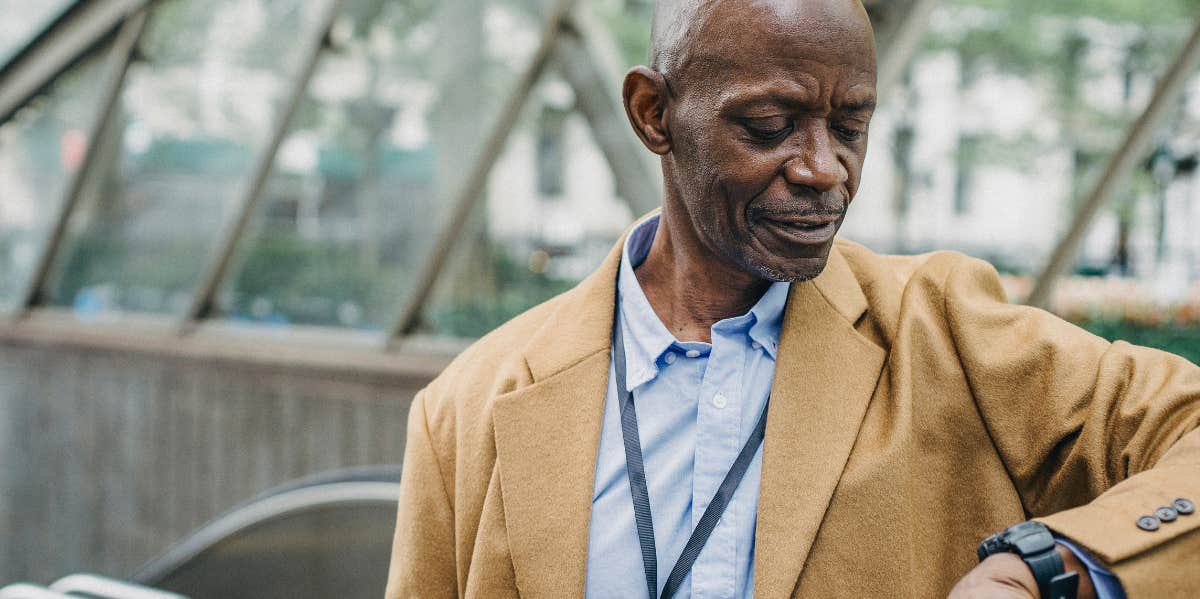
{"x": 847, "y": 132}
{"x": 767, "y": 129}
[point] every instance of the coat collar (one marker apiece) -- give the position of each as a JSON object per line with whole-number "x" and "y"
{"x": 548, "y": 433}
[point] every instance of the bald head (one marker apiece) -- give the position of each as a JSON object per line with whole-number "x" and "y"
{"x": 686, "y": 30}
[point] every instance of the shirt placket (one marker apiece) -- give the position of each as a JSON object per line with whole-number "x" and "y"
{"x": 717, "y": 446}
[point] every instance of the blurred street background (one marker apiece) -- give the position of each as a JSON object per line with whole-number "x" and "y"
{"x": 237, "y": 235}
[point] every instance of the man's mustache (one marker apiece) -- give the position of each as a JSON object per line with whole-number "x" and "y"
{"x": 828, "y": 206}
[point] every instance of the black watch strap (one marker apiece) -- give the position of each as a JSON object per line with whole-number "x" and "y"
{"x": 1035, "y": 544}
{"x": 1053, "y": 581}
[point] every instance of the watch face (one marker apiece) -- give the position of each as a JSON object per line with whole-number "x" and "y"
{"x": 991, "y": 546}
{"x": 1029, "y": 538}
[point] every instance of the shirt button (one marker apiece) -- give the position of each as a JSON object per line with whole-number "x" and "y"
{"x": 670, "y": 357}
{"x": 756, "y": 345}
{"x": 720, "y": 401}
{"x": 693, "y": 353}
{"x": 1148, "y": 523}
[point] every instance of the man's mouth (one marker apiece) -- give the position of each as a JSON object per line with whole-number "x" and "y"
{"x": 805, "y": 230}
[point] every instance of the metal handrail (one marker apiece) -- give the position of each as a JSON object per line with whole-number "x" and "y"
{"x": 107, "y": 588}
{"x": 272, "y": 507}
{"x": 23, "y": 590}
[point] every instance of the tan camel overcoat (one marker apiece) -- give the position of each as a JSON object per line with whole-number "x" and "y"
{"x": 913, "y": 412}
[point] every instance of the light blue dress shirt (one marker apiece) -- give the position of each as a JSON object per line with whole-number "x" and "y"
{"x": 696, "y": 405}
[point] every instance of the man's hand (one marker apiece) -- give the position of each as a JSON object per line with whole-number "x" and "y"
{"x": 1005, "y": 576}
{"x": 1001, "y": 576}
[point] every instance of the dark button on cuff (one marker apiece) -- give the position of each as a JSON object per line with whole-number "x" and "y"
{"x": 1148, "y": 523}
{"x": 1185, "y": 506}
{"x": 1166, "y": 514}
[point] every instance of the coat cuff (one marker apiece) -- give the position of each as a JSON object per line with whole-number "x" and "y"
{"x": 1106, "y": 584}
{"x": 1149, "y": 561}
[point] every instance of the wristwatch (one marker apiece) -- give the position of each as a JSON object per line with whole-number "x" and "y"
{"x": 1034, "y": 543}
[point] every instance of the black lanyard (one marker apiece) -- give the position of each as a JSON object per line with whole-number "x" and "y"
{"x": 641, "y": 495}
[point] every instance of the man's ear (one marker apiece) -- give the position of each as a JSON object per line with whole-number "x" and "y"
{"x": 645, "y": 94}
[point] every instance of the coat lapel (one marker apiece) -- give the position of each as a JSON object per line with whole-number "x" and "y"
{"x": 824, "y": 379}
{"x": 547, "y": 436}
{"x": 548, "y": 433}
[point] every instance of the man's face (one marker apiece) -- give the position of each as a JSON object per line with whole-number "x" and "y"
{"x": 768, "y": 122}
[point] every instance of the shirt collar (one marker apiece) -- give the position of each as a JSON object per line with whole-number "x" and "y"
{"x": 768, "y": 313}
{"x": 647, "y": 338}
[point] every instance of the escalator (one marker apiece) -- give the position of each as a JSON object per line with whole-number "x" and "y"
{"x": 327, "y": 537}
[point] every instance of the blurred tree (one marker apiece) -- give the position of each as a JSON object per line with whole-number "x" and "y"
{"x": 1048, "y": 42}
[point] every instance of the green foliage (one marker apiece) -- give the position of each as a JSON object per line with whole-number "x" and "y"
{"x": 629, "y": 23}
{"x": 1147, "y": 12}
{"x": 519, "y": 288}
{"x": 306, "y": 282}
{"x": 101, "y": 258}
{"x": 1180, "y": 339}
{"x": 1035, "y": 38}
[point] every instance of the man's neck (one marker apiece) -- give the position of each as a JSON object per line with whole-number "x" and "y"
{"x": 690, "y": 288}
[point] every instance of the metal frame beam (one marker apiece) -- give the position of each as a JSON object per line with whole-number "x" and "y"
{"x": 235, "y": 228}
{"x": 471, "y": 193}
{"x": 119, "y": 58}
{"x": 1132, "y": 150}
{"x": 333, "y": 354}
{"x": 899, "y": 37}
{"x": 600, "y": 104}
{"x": 61, "y": 44}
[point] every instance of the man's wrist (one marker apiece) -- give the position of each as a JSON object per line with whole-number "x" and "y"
{"x": 1071, "y": 563}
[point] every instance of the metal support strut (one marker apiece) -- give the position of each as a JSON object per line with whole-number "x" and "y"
{"x": 1132, "y": 150}
{"x": 119, "y": 57}
{"x": 235, "y": 227}
{"x": 470, "y": 194}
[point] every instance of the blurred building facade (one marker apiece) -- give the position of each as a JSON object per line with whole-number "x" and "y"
{"x": 979, "y": 158}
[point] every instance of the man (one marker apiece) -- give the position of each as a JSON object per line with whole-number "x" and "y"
{"x": 910, "y": 411}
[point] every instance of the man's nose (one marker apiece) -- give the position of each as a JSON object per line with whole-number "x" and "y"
{"x": 815, "y": 164}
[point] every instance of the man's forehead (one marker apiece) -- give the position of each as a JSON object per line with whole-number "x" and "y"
{"x": 740, "y": 31}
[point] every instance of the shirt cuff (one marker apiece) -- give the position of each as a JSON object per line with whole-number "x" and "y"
{"x": 1107, "y": 586}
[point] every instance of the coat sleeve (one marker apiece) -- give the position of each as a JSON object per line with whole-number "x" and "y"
{"x": 1095, "y": 435}
{"x": 423, "y": 559}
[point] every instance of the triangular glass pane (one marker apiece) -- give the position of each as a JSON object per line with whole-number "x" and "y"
{"x": 41, "y": 148}
{"x": 394, "y": 117}
{"x": 552, "y": 214}
{"x": 196, "y": 109}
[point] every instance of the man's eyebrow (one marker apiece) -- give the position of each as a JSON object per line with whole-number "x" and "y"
{"x": 862, "y": 105}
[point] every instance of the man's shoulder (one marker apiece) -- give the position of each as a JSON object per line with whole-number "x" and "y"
{"x": 920, "y": 285}
{"x": 901, "y": 272}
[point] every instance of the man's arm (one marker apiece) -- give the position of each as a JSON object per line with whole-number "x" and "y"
{"x": 423, "y": 562}
{"x": 1094, "y": 435}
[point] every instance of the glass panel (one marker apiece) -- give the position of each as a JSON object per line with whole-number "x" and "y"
{"x": 23, "y": 19}
{"x": 196, "y": 108}
{"x": 389, "y": 129}
{"x": 532, "y": 243}
{"x": 41, "y": 148}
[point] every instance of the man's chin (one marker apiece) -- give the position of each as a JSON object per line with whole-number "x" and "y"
{"x": 792, "y": 270}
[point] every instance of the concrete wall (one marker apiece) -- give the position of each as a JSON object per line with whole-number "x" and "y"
{"x": 108, "y": 456}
